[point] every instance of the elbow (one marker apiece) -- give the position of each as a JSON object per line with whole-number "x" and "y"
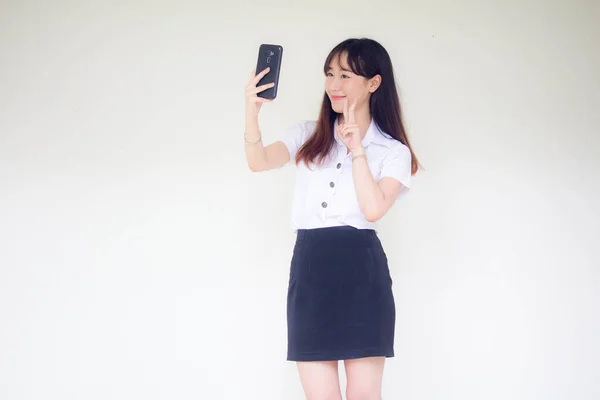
{"x": 372, "y": 215}
{"x": 258, "y": 165}
{"x": 254, "y": 168}
{"x": 373, "y": 218}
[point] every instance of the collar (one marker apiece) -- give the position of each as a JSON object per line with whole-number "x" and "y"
{"x": 374, "y": 135}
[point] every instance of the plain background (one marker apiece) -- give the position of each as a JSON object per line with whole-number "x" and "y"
{"x": 140, "y": 258}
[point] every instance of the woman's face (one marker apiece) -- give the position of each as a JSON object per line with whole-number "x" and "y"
{"x": 341, "y": 84}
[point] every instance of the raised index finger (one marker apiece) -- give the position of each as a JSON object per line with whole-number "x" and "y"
{"x": 258, "y": 77}
{"x": 351, "y": 113}
{"x": 346, "y": 121}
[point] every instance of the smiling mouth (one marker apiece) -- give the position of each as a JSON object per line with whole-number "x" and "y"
{"x": 337, "y": 97}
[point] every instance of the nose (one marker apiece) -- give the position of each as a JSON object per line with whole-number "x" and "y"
{"x": 336, "y": 84}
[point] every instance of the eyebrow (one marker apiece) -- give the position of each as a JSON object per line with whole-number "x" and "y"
{"x": 342, "y": 68}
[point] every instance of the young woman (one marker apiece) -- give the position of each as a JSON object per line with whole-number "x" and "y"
{"x": 352, "y": 164}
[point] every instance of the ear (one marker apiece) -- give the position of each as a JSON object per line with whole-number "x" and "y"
{"x": 374, "y": 83}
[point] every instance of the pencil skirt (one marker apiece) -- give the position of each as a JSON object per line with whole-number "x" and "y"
{"x": 340, "y": 303}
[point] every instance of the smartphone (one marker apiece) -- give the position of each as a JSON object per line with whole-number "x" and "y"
{"x": 269, "y": 55}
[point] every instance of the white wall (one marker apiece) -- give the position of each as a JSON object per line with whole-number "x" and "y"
{"x": 139, "y": 258}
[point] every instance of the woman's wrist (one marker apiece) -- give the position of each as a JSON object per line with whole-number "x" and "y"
{"x": 252, "y": 137}
{"x": 358, "y": 151}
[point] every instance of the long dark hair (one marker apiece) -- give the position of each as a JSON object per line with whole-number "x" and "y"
{"x": 366, "y": 58}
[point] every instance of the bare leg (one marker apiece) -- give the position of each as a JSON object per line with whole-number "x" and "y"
{"x": 320, "y": 380}
{"x": 364, "y": 376}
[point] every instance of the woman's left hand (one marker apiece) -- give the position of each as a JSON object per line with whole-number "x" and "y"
{"x": 349, "y": 132}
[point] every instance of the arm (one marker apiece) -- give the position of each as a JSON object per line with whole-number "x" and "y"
{"x": 259, "y": 157}
{"x": 375, "y": 199}
{"x": 273, "y": 156}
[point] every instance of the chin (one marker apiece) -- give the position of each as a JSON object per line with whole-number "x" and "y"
{"x": 338, "y": 109}
{"x": 337, "y": 106}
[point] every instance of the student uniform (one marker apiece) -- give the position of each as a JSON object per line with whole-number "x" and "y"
{"x": 340, "y": 303}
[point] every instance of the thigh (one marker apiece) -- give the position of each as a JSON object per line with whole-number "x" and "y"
{"x": 320, "y": 380}
{"x": 364, "y": 376}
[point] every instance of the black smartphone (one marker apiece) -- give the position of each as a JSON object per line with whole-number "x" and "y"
{"x": 269, "y": 55}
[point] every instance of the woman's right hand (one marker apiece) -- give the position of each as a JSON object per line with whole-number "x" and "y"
{"x": 253, "y": 102}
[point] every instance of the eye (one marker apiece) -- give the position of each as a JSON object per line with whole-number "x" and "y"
{"x": 329, "y": 74}
{"x": 345, "y": 76}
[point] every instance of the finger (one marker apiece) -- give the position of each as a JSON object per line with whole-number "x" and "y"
{"x": 351, "y": 113}
{"x": 261, "y": 100}
{"x": 349, "y": 127}
{"x": 258, "y": 77}
{"x": 251, "y": 77}
{"x": 261, "y": 88}
{"x": 345, "y": 131}
{"x": 346, "y": 110}
{"x": 256, "y": 99}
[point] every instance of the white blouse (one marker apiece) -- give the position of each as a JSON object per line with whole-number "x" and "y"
{"x": 325, "y": 196}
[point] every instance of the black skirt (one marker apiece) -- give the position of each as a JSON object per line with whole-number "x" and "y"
{"x": 340, "y": 303}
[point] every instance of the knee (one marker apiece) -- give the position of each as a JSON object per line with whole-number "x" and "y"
{"x": 363, "y": 393}
{"x": 325, "y": 393}
{"x": 329, "y": 396}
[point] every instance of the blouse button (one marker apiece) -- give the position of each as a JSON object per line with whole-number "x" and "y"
{"x": 331, "y": 184}
{"x": 324, "y": 205}
{"x": 339, "y": 165}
